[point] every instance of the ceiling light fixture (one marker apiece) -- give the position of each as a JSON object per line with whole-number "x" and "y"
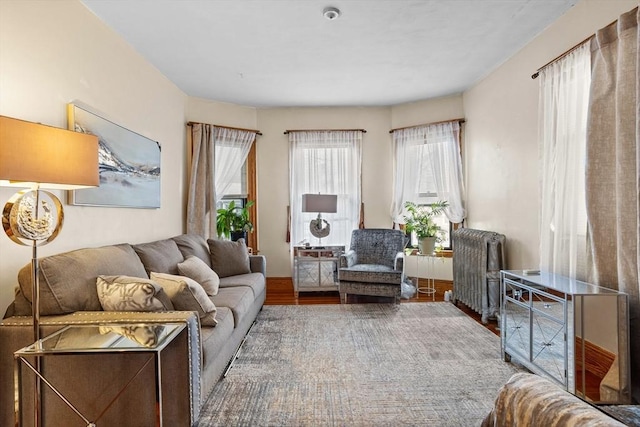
{"x": 331, "y": 13}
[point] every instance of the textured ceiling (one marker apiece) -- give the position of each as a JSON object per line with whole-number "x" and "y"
{"x": 274, "y": 53}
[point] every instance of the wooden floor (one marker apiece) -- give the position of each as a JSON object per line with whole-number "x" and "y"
{"x": 280, "y": 292}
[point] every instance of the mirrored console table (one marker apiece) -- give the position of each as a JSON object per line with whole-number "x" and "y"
{"x": 572, "y": 332}
{"x": 315, "y": 268}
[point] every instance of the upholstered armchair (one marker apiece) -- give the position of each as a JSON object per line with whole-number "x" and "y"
{"x": 373, "y": 265}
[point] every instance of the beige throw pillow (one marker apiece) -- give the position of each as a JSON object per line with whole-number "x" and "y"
{"x": 187, "y": 295}
{"x": 196, "y": 269}
{"x": 229, "y": 258}
{"x": 126, "y": 293}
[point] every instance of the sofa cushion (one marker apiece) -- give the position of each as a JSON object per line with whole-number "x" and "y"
{"x": 187, "y": 295}
{"x": 229, "y": 258}
{"x": 193, "y": 244}
{"x": 215, "y": 339}
{"x": 20, "y": 306}
{"x": 194, "y": 268}
{"x": 370, "y": 273}
{"x": 161, "y": 256}
{"x": 238, "y": 298}
{"x": 253, "y": 280}
{"x": 68, "y": 280}
{"x": 126, "y": 293}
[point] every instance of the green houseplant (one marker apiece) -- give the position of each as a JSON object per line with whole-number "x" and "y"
{"x": 233, "y": 222}
{"x": 419, "y": 220}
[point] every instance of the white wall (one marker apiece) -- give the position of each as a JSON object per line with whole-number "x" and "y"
{"x": 55, "y": 52}
{"x": 221, "y": 113}
{"x": 502, "y": 143}
{"x": 427, "y": 111}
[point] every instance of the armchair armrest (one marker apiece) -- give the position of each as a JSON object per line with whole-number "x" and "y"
{"x": 398, "y": 263}
{"x": 348, "y": 258}
{"x": 258, "y": 264}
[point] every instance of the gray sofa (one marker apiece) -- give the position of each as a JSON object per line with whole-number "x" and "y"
{"x": 192, "y": 365}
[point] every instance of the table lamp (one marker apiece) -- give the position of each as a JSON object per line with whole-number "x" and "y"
{"x": 41, "y": 157}
{"x": 321, "y": 203}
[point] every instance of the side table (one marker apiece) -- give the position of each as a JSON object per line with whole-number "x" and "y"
{"x": 145, "y": 339}
{"x": 428, "y": 284}
{"x": 315, "y": 268}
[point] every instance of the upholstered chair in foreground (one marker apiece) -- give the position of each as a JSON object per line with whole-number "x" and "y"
{"x": 373, "y": 265}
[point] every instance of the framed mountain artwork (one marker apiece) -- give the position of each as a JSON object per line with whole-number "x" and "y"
{"x": 129, "y": 164}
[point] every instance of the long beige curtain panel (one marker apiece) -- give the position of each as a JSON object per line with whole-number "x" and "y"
{"x": 612, "y": 168}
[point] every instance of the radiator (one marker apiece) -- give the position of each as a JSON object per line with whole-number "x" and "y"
{"x": 478, "y": 257}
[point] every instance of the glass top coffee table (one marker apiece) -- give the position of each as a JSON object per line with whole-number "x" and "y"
{"x": 103, "y": 339}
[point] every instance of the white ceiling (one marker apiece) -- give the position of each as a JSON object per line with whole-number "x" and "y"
{"x": 274, "y": 53}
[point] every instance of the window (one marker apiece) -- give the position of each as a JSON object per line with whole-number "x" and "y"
{"x": 241, "y": 189}
{"x": 229, "y": 154}
{"x": 428, "y": 168}
{"x": 325, "y": 162}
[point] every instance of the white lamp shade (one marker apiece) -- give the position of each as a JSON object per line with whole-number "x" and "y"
{"x": 31, "y": 153}
{"x": 325, "y": 203}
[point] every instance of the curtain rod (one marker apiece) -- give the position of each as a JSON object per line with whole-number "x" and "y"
{"x": 568, "y": 51}
{"x": 428, "y": 124}
{"x": 559, "y": 57}
{"x": 257, "y": 132}
{"x": 323, "y": 130}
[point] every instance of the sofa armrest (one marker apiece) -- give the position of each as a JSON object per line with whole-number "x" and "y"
{"x": 258, "y": 264}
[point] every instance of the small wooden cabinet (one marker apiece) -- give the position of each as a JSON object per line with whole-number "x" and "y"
{"x": 572, "y": 332}
{"x": 315, "y": 268}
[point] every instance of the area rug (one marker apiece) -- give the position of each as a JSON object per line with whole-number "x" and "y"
{"x": 413, "y": 364}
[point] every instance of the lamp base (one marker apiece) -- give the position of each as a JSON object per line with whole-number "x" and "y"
{"x": 32, "y": 216}
{"x": 319, "y": 227}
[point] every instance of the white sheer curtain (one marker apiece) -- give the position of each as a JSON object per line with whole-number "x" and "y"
{"x": 232, "y": 148}
{"x": 326, "y": 162}
{"x": 564, "y": 100}
{"x": 428, "y": 157}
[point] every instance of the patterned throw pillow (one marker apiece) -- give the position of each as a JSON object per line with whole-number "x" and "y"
{"x": 125, "y": 293}
{"x": 187, "y": 295}
{"x": 196, "y": 269}
{"x": 229, "y": 258}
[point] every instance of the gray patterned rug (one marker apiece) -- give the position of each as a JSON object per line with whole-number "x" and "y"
{"x": 416, "y": 364}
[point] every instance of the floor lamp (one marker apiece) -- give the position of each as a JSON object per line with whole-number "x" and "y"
{"x": 41, "y": 157}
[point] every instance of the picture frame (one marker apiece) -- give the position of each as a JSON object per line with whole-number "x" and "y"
{"x": 129, "y": 164}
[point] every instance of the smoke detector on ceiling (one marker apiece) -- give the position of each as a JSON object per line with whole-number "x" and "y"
{"x": 331, "y": 13}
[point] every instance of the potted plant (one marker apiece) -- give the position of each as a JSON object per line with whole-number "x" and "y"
{"x": 419, "y": 219}
{"x": 233, "y": 221}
